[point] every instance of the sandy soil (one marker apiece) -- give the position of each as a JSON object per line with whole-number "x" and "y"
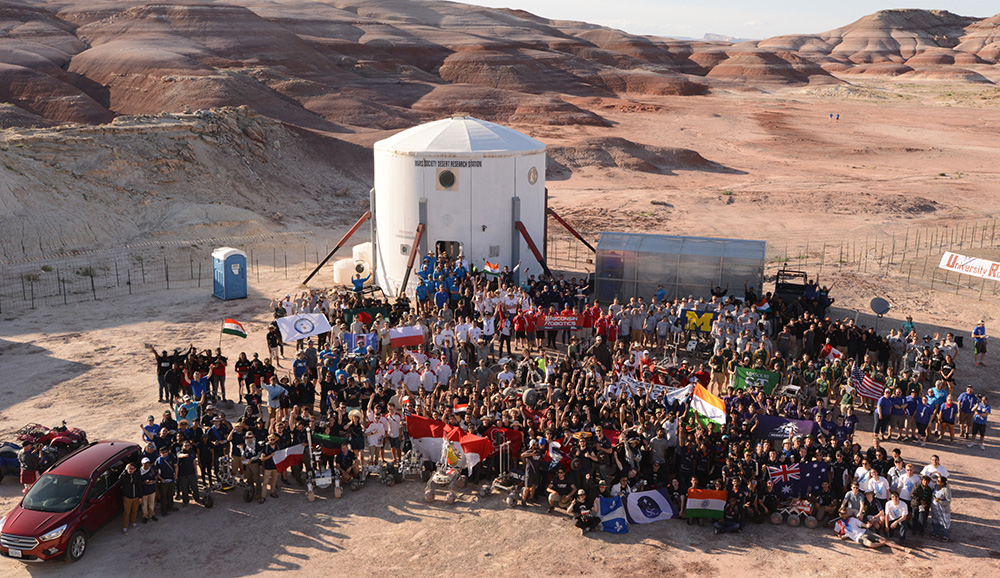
{"x": 86, "y": 364}
{"x": 790, "y": 169}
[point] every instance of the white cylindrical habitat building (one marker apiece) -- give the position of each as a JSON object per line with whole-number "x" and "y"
{"x": 468, "y": 181}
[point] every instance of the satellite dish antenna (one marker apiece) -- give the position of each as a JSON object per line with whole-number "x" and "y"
{"x": 880, "y": 307}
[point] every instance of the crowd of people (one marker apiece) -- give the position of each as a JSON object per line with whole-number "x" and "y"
{"x": 584, "y": 435}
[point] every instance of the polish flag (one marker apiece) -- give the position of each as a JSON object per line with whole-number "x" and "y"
{"x": 431, "y": 438}
{"x": 288, "y": 457}
{"x": 406, "y": 336}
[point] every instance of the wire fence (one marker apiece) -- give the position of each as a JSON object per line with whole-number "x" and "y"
{"x": 143, "y": 268}
{"x": 912, "y": 253}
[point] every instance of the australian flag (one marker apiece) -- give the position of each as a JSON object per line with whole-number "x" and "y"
{"x": 799, "y": 480}
{"x": 613, "y": 515}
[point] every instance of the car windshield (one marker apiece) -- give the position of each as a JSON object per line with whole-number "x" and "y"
{"x": 53, "y": 493}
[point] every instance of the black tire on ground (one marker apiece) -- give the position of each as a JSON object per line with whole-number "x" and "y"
{"x": 77, "y": 546}
{"x": 208, "y": 501}
{"x": 248, "y": 494}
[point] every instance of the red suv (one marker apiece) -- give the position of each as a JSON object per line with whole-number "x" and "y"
{"x": 67, "y": 504}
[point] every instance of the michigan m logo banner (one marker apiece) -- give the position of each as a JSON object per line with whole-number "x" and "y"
{"x": 698, "y": 320}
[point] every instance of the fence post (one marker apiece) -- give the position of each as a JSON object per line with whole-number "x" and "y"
{"x": 118, "y": 282}
{"x": 142, "y": 266}
{"x": 63, "y": 284}
{"x": 191, "y": 257}
{"x": 892, "y": 252}
{"x": 93, "y": 289}
{"x": 981, "y": 287}
{"x": 199, "y": 273}
{"x": 128, "y": 275}
{"x": 909, "y": 274}
{"x": 31, "y": 284}
{"x": 166, "y": 271}
{"x": 24, "y": 290}
{"x": 256, "y": 266}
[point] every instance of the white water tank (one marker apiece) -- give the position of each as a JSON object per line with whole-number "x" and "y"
{"x": 344, "y": 271}
{"x": 470, "y": 174}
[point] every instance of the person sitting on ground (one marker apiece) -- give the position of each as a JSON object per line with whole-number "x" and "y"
{"x": 582, "y": 514}
{"x": 849, "y": 527}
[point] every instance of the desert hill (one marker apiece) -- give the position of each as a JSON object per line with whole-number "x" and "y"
{"x": 334, "y": 77}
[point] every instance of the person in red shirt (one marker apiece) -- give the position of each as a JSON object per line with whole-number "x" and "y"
{"x": 703, "y": 375}
{"x": 520, "y": 322}
{"x": 567, "y": 333}
{"x": 601, "y": 325}
{"x": 530, "y": 327}
{"x": 612, "y": 331}
{"x": 586, "y": 326}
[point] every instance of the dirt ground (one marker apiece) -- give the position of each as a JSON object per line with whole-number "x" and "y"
{"x": 792, "y": 169}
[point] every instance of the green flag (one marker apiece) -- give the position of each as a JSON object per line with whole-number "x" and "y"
{"x": 367, "y": 314}
{"x": 747, "y": 378}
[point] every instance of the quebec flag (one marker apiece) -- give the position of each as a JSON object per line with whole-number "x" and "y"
{"x": 650, "y": 506}
{"x": 613, "y": 515}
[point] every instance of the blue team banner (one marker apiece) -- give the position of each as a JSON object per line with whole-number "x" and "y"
{"x": 360, "y": 342}
{"x": 772, "y": 427}
{"x": 613, "y": 515}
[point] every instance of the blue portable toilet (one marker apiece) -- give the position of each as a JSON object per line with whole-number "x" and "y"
{"x": 230, "y": 273}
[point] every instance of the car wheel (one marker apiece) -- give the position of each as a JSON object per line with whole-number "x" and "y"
{"x": 77, "y": 546}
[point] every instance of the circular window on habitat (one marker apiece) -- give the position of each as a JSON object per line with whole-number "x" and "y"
{"x": 446, "y": 179}
{"x": 533, "y": 175}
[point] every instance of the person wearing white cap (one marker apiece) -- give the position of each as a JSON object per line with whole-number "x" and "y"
{"x": 148, "y": 490}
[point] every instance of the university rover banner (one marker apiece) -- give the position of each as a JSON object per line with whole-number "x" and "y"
{"x": 970, "y": 266}
{"x": 560, "y": 322}
{"x": 748, "y": 378}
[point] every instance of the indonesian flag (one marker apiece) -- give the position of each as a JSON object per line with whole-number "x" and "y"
{"x": 406, "y": 336}
{"x": 830, "y": 352}
{"x": 707, "y": 407}
{"x": 288, "y": 457}
{"x": 432, "y": 438}
{"x": 491, "y": 268}
{"x": 234, "y": 327}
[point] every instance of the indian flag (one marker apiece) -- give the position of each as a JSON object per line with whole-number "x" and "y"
{"x": 763, "y": 306}
{"x": 233, "y": 327}
{"x": 706, "y": 504}
{"x": 708, "y": 409}
{"x": 491, "y": 268}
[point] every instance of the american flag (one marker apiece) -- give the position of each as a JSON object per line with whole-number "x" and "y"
{"x": 871, "y": 389}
